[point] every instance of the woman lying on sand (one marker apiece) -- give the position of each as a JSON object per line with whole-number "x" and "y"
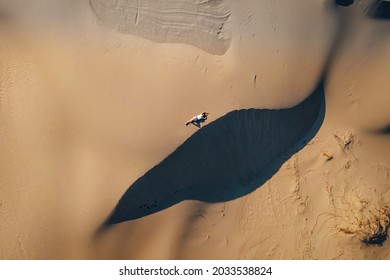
{"x": 198, "y": 119}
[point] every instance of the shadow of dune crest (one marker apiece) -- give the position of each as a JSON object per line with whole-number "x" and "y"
{"x": 384, "y": 130}
{"x": 380, "y": 10}
{"x": 227, "y": 159}
{"x": 344, "y": 3}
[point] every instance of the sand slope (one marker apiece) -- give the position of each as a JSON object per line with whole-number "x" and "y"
{"x": 227, "y": 159}
{"x": 204, "y": 24}
{"x": 90, "y": 102}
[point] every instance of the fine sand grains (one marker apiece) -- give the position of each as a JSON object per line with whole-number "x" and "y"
{"x": 203, "y": 24}
{"x": 93, "y": 94}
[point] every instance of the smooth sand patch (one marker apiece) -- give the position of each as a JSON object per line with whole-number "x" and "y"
{"x": 86, "y": 110}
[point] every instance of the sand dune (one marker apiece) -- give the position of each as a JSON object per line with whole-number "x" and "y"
{"x": 94, "y": 96}
{"x": 227, "y": 159}
{"x": 204, "y": 24}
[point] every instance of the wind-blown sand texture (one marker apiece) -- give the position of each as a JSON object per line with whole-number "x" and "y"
{"x": 202, "y": 23}
{"x": 292, "y": 163}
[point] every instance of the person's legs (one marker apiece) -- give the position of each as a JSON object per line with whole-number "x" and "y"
{"x": 193, "y": 121}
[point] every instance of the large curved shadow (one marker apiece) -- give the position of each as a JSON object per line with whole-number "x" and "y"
{"x": 226, "y": 159}
{"x": 380, "y": 10}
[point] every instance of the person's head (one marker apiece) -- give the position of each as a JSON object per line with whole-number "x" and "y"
{"x": 204, "y": 114}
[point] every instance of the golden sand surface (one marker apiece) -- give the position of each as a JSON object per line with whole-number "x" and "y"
{"x": 94, "y": 94}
